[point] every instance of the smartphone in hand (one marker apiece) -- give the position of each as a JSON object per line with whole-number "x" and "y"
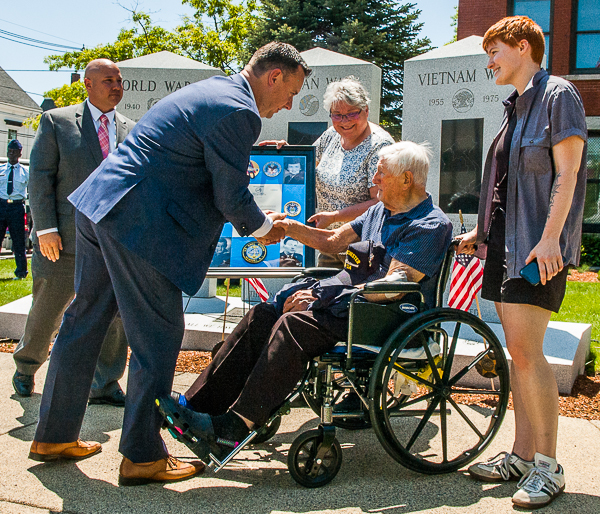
{"x": 531, "y": 273}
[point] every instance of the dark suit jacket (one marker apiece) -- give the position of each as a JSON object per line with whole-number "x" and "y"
{"x": 65, "y": 151}
{"x": 181, "y": 172}
{"x": 296, "y": 179}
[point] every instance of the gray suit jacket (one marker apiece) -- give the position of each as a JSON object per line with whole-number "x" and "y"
{"x": 65, "y": 151}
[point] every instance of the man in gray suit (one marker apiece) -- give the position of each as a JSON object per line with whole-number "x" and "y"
{"x": 70, "y": 143}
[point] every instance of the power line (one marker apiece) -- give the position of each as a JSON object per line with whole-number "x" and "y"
{"x": 39, "y": 31}
{"x": 25, "y": 38}
{"x": 19, "y": 89}
{"x": 35, "y": 46}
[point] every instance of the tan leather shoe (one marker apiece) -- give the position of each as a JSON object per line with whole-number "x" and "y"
{"x": 169, "y": 469}
{"x": 77, "y": 450}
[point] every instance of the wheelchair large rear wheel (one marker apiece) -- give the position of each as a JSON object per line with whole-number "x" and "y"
{"x": 436, "y": 412}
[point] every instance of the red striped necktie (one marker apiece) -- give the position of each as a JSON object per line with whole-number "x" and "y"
{"x": 103, "y": 136}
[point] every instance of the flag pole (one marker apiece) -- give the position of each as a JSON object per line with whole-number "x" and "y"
{"x": 477, "y": 304}
{"x": 225, "y": 312}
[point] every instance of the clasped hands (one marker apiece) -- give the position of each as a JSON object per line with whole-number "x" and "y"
{"x": 277, "y": 232}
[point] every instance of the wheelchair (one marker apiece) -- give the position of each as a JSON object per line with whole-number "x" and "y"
{"x": 433, "y": 384}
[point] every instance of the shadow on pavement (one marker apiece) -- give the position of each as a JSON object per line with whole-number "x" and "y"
{"x": 384, "y": 487}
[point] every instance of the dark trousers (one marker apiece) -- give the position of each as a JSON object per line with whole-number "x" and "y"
{"x": 53, "y": 291}
{"x": 262, "y": 360}
{"x": 110, "y": 277}
{"x": 12, "y": 216}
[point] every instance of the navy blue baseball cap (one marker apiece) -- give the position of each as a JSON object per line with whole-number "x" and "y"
{"x": 362, "y": 260}
{"x": 15, "y": 145}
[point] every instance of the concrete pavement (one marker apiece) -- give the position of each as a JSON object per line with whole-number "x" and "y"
{"x": 369, "y": 480}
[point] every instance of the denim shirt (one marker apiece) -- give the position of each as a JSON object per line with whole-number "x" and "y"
{"x": 547, "y": 113}
{"x": 418, "y": 238}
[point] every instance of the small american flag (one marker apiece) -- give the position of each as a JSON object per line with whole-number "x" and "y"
{"x": 259, "y": 287}
{"x": 467, "y": 276}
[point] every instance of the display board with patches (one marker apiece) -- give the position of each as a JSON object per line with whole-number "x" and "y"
{"x": 281, "y": 181}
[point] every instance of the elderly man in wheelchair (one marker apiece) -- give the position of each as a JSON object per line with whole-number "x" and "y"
{"x": 395, "y": 256}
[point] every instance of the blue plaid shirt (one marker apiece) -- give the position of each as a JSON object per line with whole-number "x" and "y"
{"x": 418, "y": 238}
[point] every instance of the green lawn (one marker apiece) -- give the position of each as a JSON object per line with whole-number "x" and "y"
{"x": 581, "y": 304}
{"x": 11, "y": 289}
{"x": 233, "y": 290}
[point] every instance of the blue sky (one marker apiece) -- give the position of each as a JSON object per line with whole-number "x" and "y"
{"x": 77, "y": 22}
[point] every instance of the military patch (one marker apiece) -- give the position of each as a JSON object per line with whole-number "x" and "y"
{"x": 254, "y": 252}
{"x": 272, "y": 169}
{"x": 292, "y": 208}
{"x": 253, "y": 169}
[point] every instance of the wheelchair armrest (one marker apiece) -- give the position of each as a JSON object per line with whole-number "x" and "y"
{"x": 319, "y": 273}
{"x": 391, "y": 287}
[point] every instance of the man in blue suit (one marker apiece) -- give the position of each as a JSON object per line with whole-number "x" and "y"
{"x": 148, "y": 221}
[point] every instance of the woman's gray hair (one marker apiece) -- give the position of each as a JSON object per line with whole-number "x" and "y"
{"x": 348, "y": 90}
{"x": 407, "y": 156}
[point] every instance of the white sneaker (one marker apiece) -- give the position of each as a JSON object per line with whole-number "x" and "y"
{"x": 501, "y": 468}
{"x": 540, "y": 486}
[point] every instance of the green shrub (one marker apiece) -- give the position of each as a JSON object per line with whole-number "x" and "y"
{"x": 590, "y": 250}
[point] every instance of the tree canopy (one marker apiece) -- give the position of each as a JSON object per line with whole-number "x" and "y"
{"x": 63, "y": 96}
{"x": 383, "y": 32}
{"x": 215, "y": 34}
{"x": 225, "y": 33}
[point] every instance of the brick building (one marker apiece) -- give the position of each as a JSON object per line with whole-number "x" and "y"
{"x": 572, "y": 30}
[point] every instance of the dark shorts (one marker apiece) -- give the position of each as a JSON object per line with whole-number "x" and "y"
{"x": 497, "y": 287}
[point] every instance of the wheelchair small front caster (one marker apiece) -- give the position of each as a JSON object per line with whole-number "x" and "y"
{"x": 311, "y": 464}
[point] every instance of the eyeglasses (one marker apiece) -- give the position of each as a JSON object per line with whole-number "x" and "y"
{"x": 351, "y": 116}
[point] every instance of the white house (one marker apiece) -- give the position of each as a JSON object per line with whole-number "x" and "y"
{"x": 15, "y": 106}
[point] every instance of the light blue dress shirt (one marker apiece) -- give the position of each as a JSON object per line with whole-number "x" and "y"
{"x": 20, "y": 181}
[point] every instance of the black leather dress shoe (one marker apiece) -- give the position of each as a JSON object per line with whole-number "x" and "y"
{"x": 23, "y": 384}
{"x": 116, "y": 399}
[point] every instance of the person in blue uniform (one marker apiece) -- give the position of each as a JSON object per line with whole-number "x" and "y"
{"x": 14, "y": 178}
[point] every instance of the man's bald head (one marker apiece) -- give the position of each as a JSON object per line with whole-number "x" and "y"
{"x": 104, "y": 84}
{"x": 98, "y": 65}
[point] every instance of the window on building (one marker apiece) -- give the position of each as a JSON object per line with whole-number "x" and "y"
{"x": 305, "y": 133}
{"x": 587, "y": 36}
{"x": 12, "y": 134}
{"x": 591, "y": 211}
{"x": 539, "y": 11}
{"x": 460, "y": 171}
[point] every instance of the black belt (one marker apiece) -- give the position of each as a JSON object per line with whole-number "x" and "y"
{"x": 12, "y": 201}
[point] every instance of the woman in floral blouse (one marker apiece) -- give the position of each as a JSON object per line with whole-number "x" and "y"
{"x": 346, "y": 159}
